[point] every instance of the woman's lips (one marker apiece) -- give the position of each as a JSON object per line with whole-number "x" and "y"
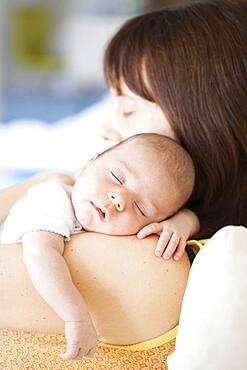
{"x": 100, "y": 212}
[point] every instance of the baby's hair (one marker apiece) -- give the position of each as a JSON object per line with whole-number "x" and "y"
{"x": 176, "y": 160}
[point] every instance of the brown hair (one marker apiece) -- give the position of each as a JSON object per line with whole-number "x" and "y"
{"x": 191, "y": 61}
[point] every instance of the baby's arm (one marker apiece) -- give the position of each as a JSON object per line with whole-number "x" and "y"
{"x": 174, "y": 232}
{"x": 42, "y": 255}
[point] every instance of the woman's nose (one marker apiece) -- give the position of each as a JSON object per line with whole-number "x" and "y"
{"x": 109, "y": 131}
{"x": 118, "y": 200}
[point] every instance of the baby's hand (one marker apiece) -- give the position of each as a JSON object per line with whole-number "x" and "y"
{"x": 81, "y": 340}
{"x": 172, "y": 240}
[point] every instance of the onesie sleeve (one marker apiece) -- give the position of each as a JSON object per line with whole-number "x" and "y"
{"x": 45, "y": 207}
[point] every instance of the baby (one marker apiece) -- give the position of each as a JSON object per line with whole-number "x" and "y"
{"x": 130, "y": 188}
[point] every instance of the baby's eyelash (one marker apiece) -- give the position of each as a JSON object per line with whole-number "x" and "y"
{"x": 113, "y": 174}
{"x": 140, "y": 210}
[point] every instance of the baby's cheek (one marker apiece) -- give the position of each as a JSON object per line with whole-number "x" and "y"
{"x": 129, "y": 225}
{"x": 83, "y": 216}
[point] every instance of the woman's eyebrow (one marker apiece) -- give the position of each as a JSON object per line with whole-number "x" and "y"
{"x": 127, "y": 95}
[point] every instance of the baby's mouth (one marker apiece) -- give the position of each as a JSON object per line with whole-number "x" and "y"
{"x": 100, "y": 212}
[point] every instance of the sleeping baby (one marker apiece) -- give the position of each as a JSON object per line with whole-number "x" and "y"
{"x": 135, "y": 187}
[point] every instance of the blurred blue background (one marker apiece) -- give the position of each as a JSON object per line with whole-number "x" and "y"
{"x": 51, "y": 53}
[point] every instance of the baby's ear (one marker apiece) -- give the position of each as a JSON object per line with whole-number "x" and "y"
{"x": 91, "y": 160}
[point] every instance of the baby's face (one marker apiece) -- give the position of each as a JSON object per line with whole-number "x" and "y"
{"x": 123, "y": 190}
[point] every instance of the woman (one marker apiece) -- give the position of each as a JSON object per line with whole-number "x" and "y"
{"x": 181, "y": 72}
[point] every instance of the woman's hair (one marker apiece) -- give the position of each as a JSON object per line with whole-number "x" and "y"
{"x": 191, "y": 60}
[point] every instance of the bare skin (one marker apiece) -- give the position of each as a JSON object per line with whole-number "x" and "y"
{"x": 131, "y": 294}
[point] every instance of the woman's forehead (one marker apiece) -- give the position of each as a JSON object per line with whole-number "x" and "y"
{"x": 128, "y": 96}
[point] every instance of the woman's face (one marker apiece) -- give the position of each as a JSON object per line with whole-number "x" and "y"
{"x": 131, "y": 114}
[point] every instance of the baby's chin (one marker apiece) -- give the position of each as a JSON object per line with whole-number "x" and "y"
{"x": 88, "y": 222}
{"x": 85, "y": 220}
{"x": 89, "y": 225}
{"x": 109, "y": 230}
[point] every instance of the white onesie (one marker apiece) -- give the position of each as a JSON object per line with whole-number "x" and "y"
{"x": 45, "y": 207}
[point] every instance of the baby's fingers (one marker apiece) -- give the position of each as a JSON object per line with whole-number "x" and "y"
{"x": 91, "y": 352}
{"x": 180, "y": 250}
{"x": 153, "y": 228}
{"x": 72, "y": 352}
{"x": 83, "y": 353}
{"x": 171, "y": 247}
{"x": 162, "y": 242}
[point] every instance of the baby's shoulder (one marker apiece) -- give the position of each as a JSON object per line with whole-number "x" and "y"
{"x": 50, "y": 196}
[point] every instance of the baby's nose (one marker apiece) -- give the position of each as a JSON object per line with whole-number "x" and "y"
{"x": 117, "y": 200}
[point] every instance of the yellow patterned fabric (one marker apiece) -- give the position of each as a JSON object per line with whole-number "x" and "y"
{"x": 148, "y": 344}
{"x": 25, "y": 351}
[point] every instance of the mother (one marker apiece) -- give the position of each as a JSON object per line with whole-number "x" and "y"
{"x": 181, "y": 72}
